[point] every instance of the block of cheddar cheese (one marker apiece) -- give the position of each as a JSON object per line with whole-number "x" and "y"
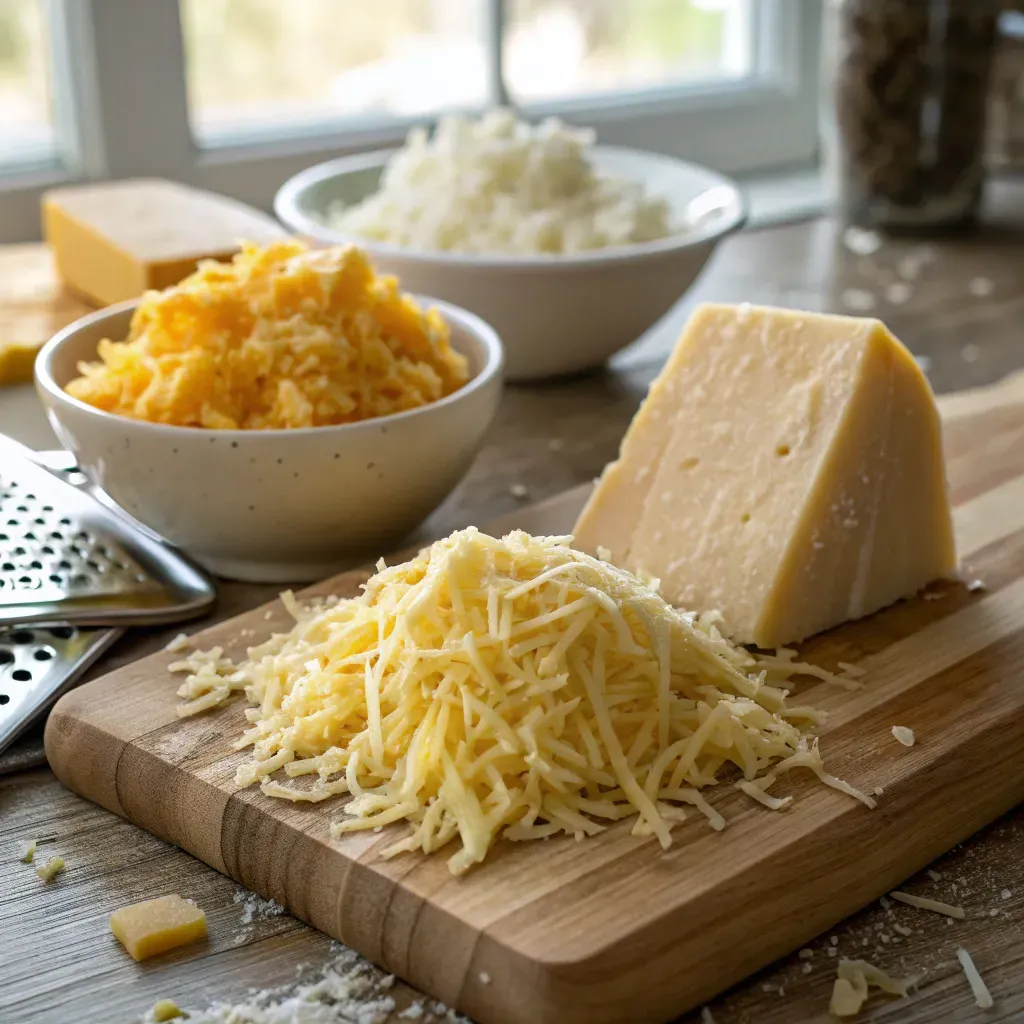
{"x": 785, "y": 469}
{"x": 112, "y": 241}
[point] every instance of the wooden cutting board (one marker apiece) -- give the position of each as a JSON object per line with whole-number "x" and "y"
{"x": 613, "y": 928}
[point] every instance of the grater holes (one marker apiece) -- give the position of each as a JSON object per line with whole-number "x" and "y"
{"x": 79, "y": 579}
{"x": 8, "y": 567}
{"x": 22, "y": 636}
{"x": 44, "y": 654}
{"x": 62, "y": 632}
{"x": 47, "y": 550}
{"x": 6, "y": 657}
{"x": 4, "y": 699}
{"x": 22, "y": 675}
{"x": 35, "y": 564}
{"x": 64, "y": 521}
{"x": 54, "y": 578}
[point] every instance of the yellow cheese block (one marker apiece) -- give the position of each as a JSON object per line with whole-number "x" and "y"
{"x": 17, "y": 359}
{"x": 155, "y": 926}
{"x": 114, "y": 240}
{"x": 785, "y": 469}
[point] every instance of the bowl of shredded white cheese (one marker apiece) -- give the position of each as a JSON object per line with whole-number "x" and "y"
{"x": 569, "y": 249}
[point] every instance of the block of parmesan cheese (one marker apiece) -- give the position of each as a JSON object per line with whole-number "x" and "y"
{"x": 155, "y": 926}
{"x": 112, "y": 241}
{"x": 785, "y": 469}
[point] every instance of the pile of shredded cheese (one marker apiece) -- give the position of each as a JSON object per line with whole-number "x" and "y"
{"x": 281, "y": 337}
{"x": 512, "y": 687}
{"x": 501, "y": 185}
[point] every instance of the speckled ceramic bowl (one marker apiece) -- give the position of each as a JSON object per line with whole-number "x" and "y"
{"x": 276, "y": 505}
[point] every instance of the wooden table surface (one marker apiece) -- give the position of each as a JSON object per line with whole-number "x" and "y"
{"x": 957, "y": 304}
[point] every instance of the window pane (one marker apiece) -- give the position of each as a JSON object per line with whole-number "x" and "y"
{"x": 26, "y": 122}
{"x": 567, "y": 48}
{"x": 261, "y": 63}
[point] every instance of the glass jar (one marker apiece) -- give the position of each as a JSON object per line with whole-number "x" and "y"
{"x": 904, "y": 126}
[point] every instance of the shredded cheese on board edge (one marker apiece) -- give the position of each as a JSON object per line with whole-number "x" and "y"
{"x": 513, "y": 687}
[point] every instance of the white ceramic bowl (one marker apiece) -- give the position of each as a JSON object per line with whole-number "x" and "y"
{"x": 555, "y": 314}
{"x": 276, "y": 505}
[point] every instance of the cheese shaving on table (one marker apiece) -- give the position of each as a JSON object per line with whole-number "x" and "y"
{"x": 512, "y": 687}
{"x": 903, "y": 735}
{"x": 923, "y": 903}
{"x": 281, "y": 337}
{"x": 854, "y": 978}
{"x": 982, "y": 996}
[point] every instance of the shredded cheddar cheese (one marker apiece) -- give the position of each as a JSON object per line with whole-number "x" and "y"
{"x": 512, "y": 687}
{"x": 283, "y": 336}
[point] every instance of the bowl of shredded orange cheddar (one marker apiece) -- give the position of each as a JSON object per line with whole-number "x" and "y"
{"x": 277, "y": 415}
{"x": 282, "y": 337}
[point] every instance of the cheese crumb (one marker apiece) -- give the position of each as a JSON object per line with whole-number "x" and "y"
{"x": 935, "y": 876}
{"x": 923, "y": 903}
{"x": 981, "y": 287}
{"x": 878, "y": 791}
{"x": 706, "y": 1016}
{"x": 975, "y": 585}
{"x": 858, "y": 299}
{"x": 485, "y": 978}
{"x": 518, "y": 490}
{"x": 982, "y": 996}
{"x": 862, "y": 241}
{"x": 53, "y": 867}
{"x": 898, "y": 293}
{"x": 1005, "y": 894}
{"x": 414, "y": 1011}
{"x": 805, "y": 954}
{"x": 164, "y": 1010}
{"x": 27, "y": 850}
{"x": 970, "y": 353}
{"x": 903, "y": 735}
{"x": 556, "y": 444}
{"x": 179, "y": 643}
{"x": 902, "y": 929}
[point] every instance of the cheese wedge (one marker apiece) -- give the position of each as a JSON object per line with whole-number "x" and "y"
{"x": 155, "y": 926}
{"x": 785, "y": 469}
{"x": 115, "y": 240}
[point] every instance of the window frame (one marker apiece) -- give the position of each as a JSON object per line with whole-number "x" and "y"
{"x": 121, "y": 110}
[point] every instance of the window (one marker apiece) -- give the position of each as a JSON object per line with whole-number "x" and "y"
{"x": 237, "y": 95}
{"x": 258, "y": 64}
{"x": 555, "y": 49}
{"x": 26, "y": 121}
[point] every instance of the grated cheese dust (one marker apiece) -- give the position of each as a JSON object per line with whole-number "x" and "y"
{"x": 513, "y": 687}
{"x": 281, "y": 337}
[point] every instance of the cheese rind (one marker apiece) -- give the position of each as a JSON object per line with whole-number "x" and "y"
{"x": 785, "y": 469}
{"x": 114, "y": 240}
{"x": 155, "y": 926}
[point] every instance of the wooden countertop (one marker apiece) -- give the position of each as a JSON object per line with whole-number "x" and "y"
{"x": 960, "y": 312}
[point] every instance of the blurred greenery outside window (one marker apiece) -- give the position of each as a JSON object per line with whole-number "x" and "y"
{"x": 26, "y": 121}
{"x": 257, "y": 62}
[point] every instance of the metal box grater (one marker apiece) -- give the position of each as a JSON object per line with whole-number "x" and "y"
{"x": 65, "y": 557}
{"x": 37, "y": 665}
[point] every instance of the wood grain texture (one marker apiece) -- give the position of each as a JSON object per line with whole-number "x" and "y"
{"x": 595, "y": 931}
{"x": 33, "y": 304}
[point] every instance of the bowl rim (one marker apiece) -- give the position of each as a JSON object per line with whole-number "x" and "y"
{"x": 287, "y": 210}
{"x": 477, "y": 327}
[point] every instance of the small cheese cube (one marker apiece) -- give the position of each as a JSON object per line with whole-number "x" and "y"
{"x": 155, "y": 926}
{"x": 786, "y": 470}
{"x": 114, "y": 240}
